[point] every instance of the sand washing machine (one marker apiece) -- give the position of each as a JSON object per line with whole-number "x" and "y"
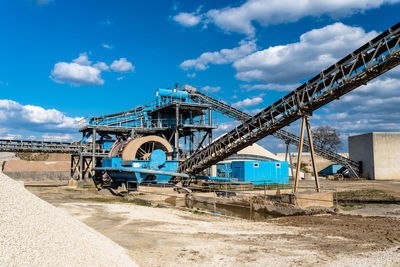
{"x": 141, "y": 160}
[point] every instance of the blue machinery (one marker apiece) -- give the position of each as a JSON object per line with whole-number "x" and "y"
{"x": 150, "y": 158}
{"x": 182, "y": 127}
{"x": 180, "y": 124}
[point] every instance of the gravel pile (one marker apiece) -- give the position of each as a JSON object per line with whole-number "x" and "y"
{"x": 35, "y": 233}
{"x": 4, "y": 156}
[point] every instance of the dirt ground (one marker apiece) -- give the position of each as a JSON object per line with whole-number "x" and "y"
{"x": 170, "y": 237}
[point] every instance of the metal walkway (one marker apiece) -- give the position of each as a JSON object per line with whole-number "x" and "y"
{"x": 42, "y": 146}
{"x": 287, "y": 137}
{"x": 359, "y": 67}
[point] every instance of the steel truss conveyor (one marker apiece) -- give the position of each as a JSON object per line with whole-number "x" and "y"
{"x": 288, "y": 138}
{"x": 359, "y": 67}
{"x": 41, "y": 146}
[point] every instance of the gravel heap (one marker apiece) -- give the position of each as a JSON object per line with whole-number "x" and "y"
{"x": 35, "y": 233}
{"x": 4, "y": 156}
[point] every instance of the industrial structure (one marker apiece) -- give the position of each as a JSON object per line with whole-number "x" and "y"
{"x": 379, "y": 154}
{"x": 171, "y": 137}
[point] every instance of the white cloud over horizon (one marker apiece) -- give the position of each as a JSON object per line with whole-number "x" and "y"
{"x": 241, "y": 19}
{"x": 18, "y": 117}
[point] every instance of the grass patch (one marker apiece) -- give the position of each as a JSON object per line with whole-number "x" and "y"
{"x": 196, "y": 212}
{"x": 366, "y": 196}
{"x": 71, "y": 189}
{"x": 116, "y": 200}
{"x": 351, "y": 206}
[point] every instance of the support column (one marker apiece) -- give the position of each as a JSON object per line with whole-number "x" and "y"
{"x": 210, "y": 123}
{"x": 317, "y": 186}
{"x": 288, "y": 153}
{"x": 93, "y": 150}
{"x": 177, "y": 131}
{"x": 296, "y": 181}
{"x": 81, "y": 166}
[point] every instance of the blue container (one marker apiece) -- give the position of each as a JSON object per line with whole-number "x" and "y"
{"x": 165, "y": 96}
{"x": 261, "y": 172}
{"x": 331, "y": 169}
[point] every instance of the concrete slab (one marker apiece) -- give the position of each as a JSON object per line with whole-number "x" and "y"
{"x": 313, "y": 199}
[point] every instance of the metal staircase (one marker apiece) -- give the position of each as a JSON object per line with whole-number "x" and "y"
{"x": 359, "y": 67}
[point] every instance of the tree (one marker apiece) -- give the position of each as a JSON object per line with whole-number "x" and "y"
{"x": 327, "y": 137}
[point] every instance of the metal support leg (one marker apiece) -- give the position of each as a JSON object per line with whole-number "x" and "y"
{"x": 287, "y": 151}
{"x": 93, "y": 151}
{"x": 317, "y": 186}
{"x": 81, "y": 165}
{"x": 288, "y": 154}
{"x": 296, "y": 181}
{"x": 177, "y": 131}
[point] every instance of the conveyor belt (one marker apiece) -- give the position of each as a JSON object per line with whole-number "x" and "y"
{"x": 287, "y": 137}
{"x": 42, "y": 146}
{"x": 359, "y": 67}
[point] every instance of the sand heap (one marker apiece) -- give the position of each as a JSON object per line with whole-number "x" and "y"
{"x": 35, "y": 233}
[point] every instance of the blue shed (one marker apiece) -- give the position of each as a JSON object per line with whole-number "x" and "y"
{"x": 260, "y": 172}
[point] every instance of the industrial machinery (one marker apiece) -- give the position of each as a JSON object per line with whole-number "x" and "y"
{"x": 359, "y": 67}
{"x": 353, "y": 167}
{"x": 152, "y": 167}
{"x": 178, "y": 125}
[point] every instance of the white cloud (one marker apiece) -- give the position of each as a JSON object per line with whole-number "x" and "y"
{"x": 372, "y": 107}
{"x": 120, "y": 78}
{"x": 106, "y": 22}
{"x": 122, "y": 65}
{"x": 224, "y": 56}
{"x": 271, "y": 87}
{"x": 81, "y": 71}
{"x": 15, "y": 116}
{"x": 255, "y": 111}
{"x": 317, "y": 49}
{"x": 76, "y": 74}
{"x": 101, "y": 66}
{"x": 107, "y": 46}
{"x": 58, "y": 137}
{"x": 269, "y": 12}
{"x": 191, "y": 75}
{"x": 187, "y": 19}
{"x": 211, "y": 89}
{"x": 82, "y": 60}
{"x": 248, "y": 102}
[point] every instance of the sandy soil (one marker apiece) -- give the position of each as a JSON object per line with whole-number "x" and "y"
{"x": 36, "y": 166}
{"x": 171, "y": 237}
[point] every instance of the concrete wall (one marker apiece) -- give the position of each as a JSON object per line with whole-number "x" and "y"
{"x": 386, "y": 156}
{"x": 361, "y": 149}
{"x": 379, "y": 153}
{"x": 37, "y": 170}
{"x": 40, "y": 176}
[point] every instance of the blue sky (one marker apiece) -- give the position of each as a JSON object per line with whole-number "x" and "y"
{"x": 63, "y": 60}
